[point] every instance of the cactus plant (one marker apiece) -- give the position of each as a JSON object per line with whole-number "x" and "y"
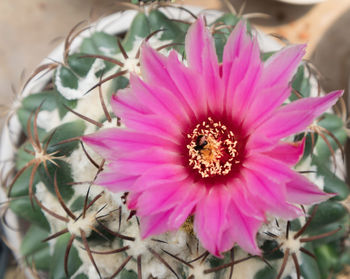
{"x": 80, "y": 229}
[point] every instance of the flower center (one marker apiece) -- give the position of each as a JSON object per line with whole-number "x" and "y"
{"x": 212, "y": 149}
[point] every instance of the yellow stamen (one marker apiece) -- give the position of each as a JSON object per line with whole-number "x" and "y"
{"x": 212, "y": 149}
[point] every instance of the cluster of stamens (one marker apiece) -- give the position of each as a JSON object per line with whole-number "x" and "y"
{"x": 212, "y": 149}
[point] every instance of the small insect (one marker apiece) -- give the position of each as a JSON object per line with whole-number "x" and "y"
{"x": 201, "y": 142}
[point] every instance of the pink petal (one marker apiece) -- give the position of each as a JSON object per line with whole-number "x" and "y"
{"x": 113, "y": 142}
{"x": 115, "y": 181}
{"x": 153, "y": 67}
{"x": 247, "y": 89}
{"x": 161, "y": 174}
{"x": 181, "y": 213}
{"x": 264, "y": 103}
{"x": 211, "y": 218}
{"x": 237, "y": 42}
{"x": 296, "y": 116}
{"x": 248, "y": 204}
{"x": 280, "y": 67}
{"x": 200, "y": 49}
{"x": 201, "y": 57}
{"x": 242, "y": 69}
{"x": 132, "y": 199}
{"x": 227, "y": 241}
{"x": 126, "y": 100}
{"x": 162, "y": 101}
{"x": 301, "y": 191}
{"x": 186, "y": 205}
{"x": 287, "y": 152}
{"x": 161, "y": 197}
{"x": 244, "y": 229}
{"x": 153, "y": 125}
{"x": 154, "y": 224}
{"x": 189, "y": 84}
{"x": 156, "y": 70}
{"x": 269, "y": 196}
{"x": 235, "y": 51}
{"x": 179, "y": 197}
{"x": 138, "y": 162}
{"x": 268, "y": 167}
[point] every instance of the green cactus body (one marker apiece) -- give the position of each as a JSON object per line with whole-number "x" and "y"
{"x": 89, "y": 231}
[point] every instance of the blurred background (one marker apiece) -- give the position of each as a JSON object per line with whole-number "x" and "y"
{"x": 29, "y": 30}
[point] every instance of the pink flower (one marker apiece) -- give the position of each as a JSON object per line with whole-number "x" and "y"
{"x": 205, "y": 140}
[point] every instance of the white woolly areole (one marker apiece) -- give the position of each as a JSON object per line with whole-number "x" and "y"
{"x": 290, "y": 267}
{"x": 138, "y": 246}
{"x": 132, "y": 65}
{"x": 157, "y": 270}
{"x": 154, "y": 41}
{"x": 104, "y": 206}
{"x": 150, "y": 265}
{"x": 292, "y": 244}
{"x": 117, "y": 198}
{"x": 82, "y": 168}
{"x": 51, "y": 203}
{"x": 246, "y": 269}
{"x": 198, "y": 270}
{"x": 176, "y": 242}
{"x": 112, "y": 124}
{"x": 280, "y": 232}
{"x": 294, "y": 275}
{"x": 84, "y": 83}
{"x": 272, "y": 227}
{"x": 106, "y": 50}
{"x": 48, "y": 119}
{"x": 85, "y": 224}
{"x": 89, "y": 106}
{"x": 173, "y": 242}
{"x": 107, "y": 264}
